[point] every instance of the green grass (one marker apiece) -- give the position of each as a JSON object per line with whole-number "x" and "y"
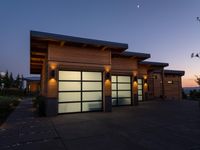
{"x": 7, "y": 105}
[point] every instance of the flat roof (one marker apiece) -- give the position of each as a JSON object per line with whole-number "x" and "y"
{"x": 155, "y": 64}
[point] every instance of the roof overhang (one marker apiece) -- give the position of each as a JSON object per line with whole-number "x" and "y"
{"x": 175, "y": 72}
{"x": 153, "y": 65}
{"x": 39, "y": 46}
{"x": 127, "y": 54}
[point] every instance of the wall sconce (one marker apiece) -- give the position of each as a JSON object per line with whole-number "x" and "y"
{"x": 52, "y": 74}
{"x": 135, "y": 79}
{"x": 145, "y": 81}
{"x": 107, "y": 76}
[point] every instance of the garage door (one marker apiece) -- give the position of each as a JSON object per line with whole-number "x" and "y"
{"x": 121, "y": 90}
{"x": 79, "y": 91}
{"x": 140, "y": 90}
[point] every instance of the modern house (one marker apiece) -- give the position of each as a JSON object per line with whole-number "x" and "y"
{"x": 81, "y": 75}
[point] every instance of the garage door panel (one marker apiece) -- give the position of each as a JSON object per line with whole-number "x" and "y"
{"x": 69, "y": 96}
{"x": 124, "y": 101}
{"x": 92, "y": 106}
{"x": 92, "y": 76}
{"x": 124, "y": 93}
{"x": 69, "y": 86}
{"x": 69, "y": 107}
{"x": 124, "y": 86}
{"x": 124, "y": 79}
{"x": 69, "y": 75}
{"x": 92, "y": 96}
{"x": 87, "y": 86}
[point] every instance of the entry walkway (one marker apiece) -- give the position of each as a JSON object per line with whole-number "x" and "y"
{"x": 24, "y": 131}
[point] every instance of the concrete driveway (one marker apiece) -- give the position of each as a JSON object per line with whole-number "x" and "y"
{"x": 153, "y": 125}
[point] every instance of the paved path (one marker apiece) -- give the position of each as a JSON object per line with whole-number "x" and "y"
{"x": 153, "y": 125}
{"x": 24, "y": 131}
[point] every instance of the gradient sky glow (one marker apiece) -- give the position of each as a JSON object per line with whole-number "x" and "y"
{"x": 167, "y": 29}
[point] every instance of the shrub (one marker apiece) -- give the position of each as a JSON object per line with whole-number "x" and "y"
{"x": 39, "y": 103}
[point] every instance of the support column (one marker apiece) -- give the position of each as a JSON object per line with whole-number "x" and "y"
{"x": 145, "y": 88}
{"x": 107, "y": 91}
{"x": 135, "y": 91}
{"x": 163, "y": 87}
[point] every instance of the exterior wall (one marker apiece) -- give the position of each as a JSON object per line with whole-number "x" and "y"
{"x": 173, "y": 90}
{"x": 78, "y": 55}
{"x": 155, "y": 86}
{"x": 124, "y": 65}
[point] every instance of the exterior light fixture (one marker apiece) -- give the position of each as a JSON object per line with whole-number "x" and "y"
{"x": 52, "y": 73}
{"x": 145, "y": 81}
{"x": 135, "y": 79}
{"x": 107, "y": 76}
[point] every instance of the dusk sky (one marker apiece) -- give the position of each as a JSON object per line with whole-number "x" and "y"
{"x": 167, "y": 29}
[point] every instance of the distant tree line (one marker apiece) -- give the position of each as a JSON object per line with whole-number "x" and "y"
{"x": 8, "y": 81}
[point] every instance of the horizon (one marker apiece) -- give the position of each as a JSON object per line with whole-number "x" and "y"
{"x": 168, "y": 30}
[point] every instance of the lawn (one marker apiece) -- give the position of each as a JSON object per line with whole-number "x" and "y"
{"x": 7, "y": 105}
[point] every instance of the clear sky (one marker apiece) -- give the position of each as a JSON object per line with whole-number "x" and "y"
{"x": 167, "y": 29}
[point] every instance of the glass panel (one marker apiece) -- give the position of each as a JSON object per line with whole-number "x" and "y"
{"x": 114, "y": 93}
{"x": 114, "y": 78}
{"x": 69, "y": 96}
{"x": 124, "y": 101}
{"x": 124, "y": 93}
{"x": 114, "y": 102}
{"x": 114, "y": 86}
{"x": 69, "y": 86}
{"x": 91, "y": 106}
{"x": 69, "y": 107}
{"x": 139, "y": 92}
{"x": 124, "y": 86}
{"x": 69, "y": 75}
{"x": 139, "y": 87}
{"x": 92, "y": 96}
{"x": 124, "y": 79}
{"x": 92, "y": 76}
{"x": 92, "y": 86}
{"x": 139, "y": 81}
{"x": 140, "y": 98}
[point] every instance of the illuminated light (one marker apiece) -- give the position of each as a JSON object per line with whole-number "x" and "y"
{"x": 53, "y": 66}
{"x": 145, "y": 77}
{"x": 52, "y": 81}
{"x": 107, "y": 68}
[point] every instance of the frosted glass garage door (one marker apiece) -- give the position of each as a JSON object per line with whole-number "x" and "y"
{"x": 121, "y": 90}
{"x": 79, "y": 91}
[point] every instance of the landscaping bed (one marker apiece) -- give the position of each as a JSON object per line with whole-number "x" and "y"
{"x": 7, "y": 105}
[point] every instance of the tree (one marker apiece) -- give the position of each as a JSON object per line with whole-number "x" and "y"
{"x": 11, "y": 80}
{"x": 6, "y": 80}
{"x": 197, "y": 80}
{"x": 17, "y": 81}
